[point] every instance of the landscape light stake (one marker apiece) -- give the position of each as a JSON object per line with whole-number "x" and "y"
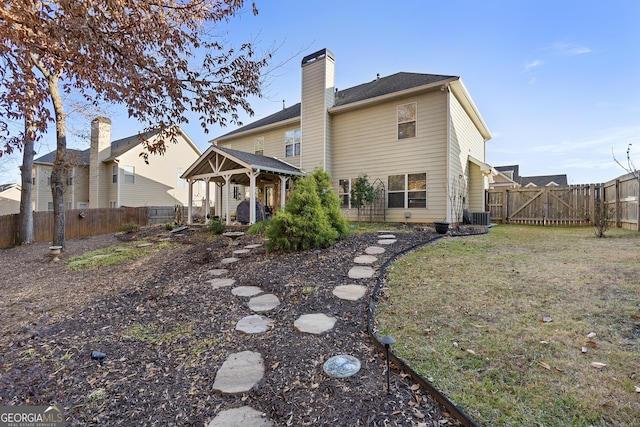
{"x": 387, "y": 341}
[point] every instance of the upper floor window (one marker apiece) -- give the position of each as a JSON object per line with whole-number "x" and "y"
{"x": 129, "y": 175}
{"x": 407, "y": 120}
{"x": 69, "y": 181}
{"x": 258, "y": 146}
{"x": 179, "y": 180}
{"x": 292, "y": 143}
{"x": 407, "y": 191}
{"x": 114, "y": 173}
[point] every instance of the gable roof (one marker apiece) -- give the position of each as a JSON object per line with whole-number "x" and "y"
{"x": 366, "y": 91}
{"x": 77, "y": 157}
{"x": 543, "y": 180}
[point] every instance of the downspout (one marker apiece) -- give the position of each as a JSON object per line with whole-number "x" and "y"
{"x": 445, "y": 89}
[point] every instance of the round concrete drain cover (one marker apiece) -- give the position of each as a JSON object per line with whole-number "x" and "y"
{"x": 341, "y": 366}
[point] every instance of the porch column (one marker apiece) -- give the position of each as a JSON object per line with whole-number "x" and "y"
{"x": 190, "y": 202}
{"x": 227, "y": 178}
{"x": 283, "y": 191}
{"x": 252, "y": 198}
{"x": 206, "y": 201}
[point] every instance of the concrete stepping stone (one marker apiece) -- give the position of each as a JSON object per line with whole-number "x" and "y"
{"x": 241, "y": 251}
{"x": 350, "y": 292}
{"x": 387, "y": 241}
{"x": 316, "y": 323}
{"x": 361, "y": 272}
{"x": 221, "y": 283}
{"x": 144, "y": 245}
{"x": 365, "y": 259}
{"x": 254, "y": 324}
{"x": 218, "y": 271}
{"x": 257, "y": 245}
{"x": 239, "y": 373}
{"x": 374, "y": 250}
{"x": 229, "y": 260}
{"x": 264, "y": 302}
{"x": 243, "y": 416}
{"x": 386, "y": 236}
{"x": 246, "y": 291}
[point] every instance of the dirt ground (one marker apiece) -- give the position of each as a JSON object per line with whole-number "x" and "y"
{"x": 166, "y": 333}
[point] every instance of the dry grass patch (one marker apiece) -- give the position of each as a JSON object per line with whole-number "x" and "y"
{"x": 500, "y": 323}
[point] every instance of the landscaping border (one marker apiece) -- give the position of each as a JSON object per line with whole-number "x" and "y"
{"x": 456, "y": 412}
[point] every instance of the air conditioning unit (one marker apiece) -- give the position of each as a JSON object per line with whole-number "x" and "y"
{"x": 481, "y": 218}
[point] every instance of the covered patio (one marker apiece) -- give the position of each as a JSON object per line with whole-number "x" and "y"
{"x": 225, "y": 167}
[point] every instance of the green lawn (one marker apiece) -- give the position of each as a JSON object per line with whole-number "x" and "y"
{"x": 501, "y": 324}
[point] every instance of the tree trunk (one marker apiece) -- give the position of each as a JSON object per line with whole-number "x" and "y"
{"x": 25, "y": 220}
{"x": 57, "y": 173}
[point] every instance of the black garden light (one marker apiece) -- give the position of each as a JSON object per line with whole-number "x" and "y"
{"x": 388, "y": 341}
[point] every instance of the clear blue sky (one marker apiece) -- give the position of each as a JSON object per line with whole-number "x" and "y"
{"x": 557, "y": 82}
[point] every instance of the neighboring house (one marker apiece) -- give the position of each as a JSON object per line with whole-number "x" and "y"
{"x": 113, "y": 174}
{"x": 417, "y": 136}
{"x": 9, "y": 199}
{"x": 509, "y": 177}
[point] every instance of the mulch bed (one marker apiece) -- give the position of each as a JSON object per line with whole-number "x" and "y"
{"x": 166, "y": 333}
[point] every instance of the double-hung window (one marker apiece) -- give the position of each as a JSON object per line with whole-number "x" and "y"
{"x": 407, "y": 191}
{"x": 292, "y": 143}
{"x": 258, "y": 146}
{"x": 129, "y": 175}
{"x": 344, "y": 193}
{"x": 407, "y": 114}
{"x": 114, "y": 174}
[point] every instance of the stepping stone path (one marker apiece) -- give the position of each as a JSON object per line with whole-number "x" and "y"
{"x": 221, "y": 283}
{"x": 365, "y": 259}
{"x": 350, "y": 292}
{"x": 361, "y": 272}
{"x": 241, "y": 371}
{"x": 246, "y": 291}
{"x": 244, "y": 416}
{"x": 314, "y": 323}
{"x": 254, "y": 324}
{"x": 264, "y": 302}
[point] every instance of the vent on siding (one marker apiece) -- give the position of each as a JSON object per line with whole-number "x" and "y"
{"x": 481, "y": 218}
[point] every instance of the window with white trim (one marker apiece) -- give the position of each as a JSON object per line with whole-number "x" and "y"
{"x": 258, "y": 146}
{"x": 69, "y": 206}
{"x": 407, "y": 191}
{"x": 49, "y": 206}
{"x": 179, "y": 181}
{"x": 112, "y": 204}
{"x": 407, "y": 114}
{"x": 292, "y": 143}
{"x": 129, "y": 175}
{"x": 344, "y": 192}
{"x": 114, "y": 173}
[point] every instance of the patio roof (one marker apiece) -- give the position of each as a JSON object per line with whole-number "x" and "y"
{"x": 219, "y": 162}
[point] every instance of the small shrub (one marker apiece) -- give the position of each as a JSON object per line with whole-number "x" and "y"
{"x": 130, "y": 227}
{"x": 168, "y": 226}
{"x": 603, "y": 217}
{"x": 216, "y": 227}
{"x": 258, "y": 227}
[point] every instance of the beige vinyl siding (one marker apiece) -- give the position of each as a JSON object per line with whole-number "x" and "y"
{"x": 466, "y": 141}
{"x": 78, "y": 192}
{"x": 74, "y": 194}
{"x": 366, "y": 141}
{"x": 155, "y": 182}
{"x": 41, "y": 190}
{"x": 273, "y": 143}
{"x": 10, "y": 201}
{"x": 317, "y": 95}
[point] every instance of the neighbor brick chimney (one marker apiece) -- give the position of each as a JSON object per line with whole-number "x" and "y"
{"x": 99, "y": 174}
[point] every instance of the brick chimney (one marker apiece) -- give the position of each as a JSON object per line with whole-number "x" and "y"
{"x": 99, "y": 174}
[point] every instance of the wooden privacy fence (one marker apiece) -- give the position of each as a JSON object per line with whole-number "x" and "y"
{"x": 566, "y": 205}
{"x": 78, "y": 223}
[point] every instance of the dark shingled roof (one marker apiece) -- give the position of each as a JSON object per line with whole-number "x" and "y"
{"x": 379, "y": 87}
{"x": 543, "y": 180}
{"x": 270, "y": 163}
{"x": 78, "y": 157}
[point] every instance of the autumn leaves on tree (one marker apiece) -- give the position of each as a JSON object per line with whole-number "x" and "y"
{"x": 159, "y": 59}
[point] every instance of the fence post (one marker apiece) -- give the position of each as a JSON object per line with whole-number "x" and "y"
{"x": 617, "y": 205}
{"x": 592, "y": 201}
{"x": 505, "y": 207}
